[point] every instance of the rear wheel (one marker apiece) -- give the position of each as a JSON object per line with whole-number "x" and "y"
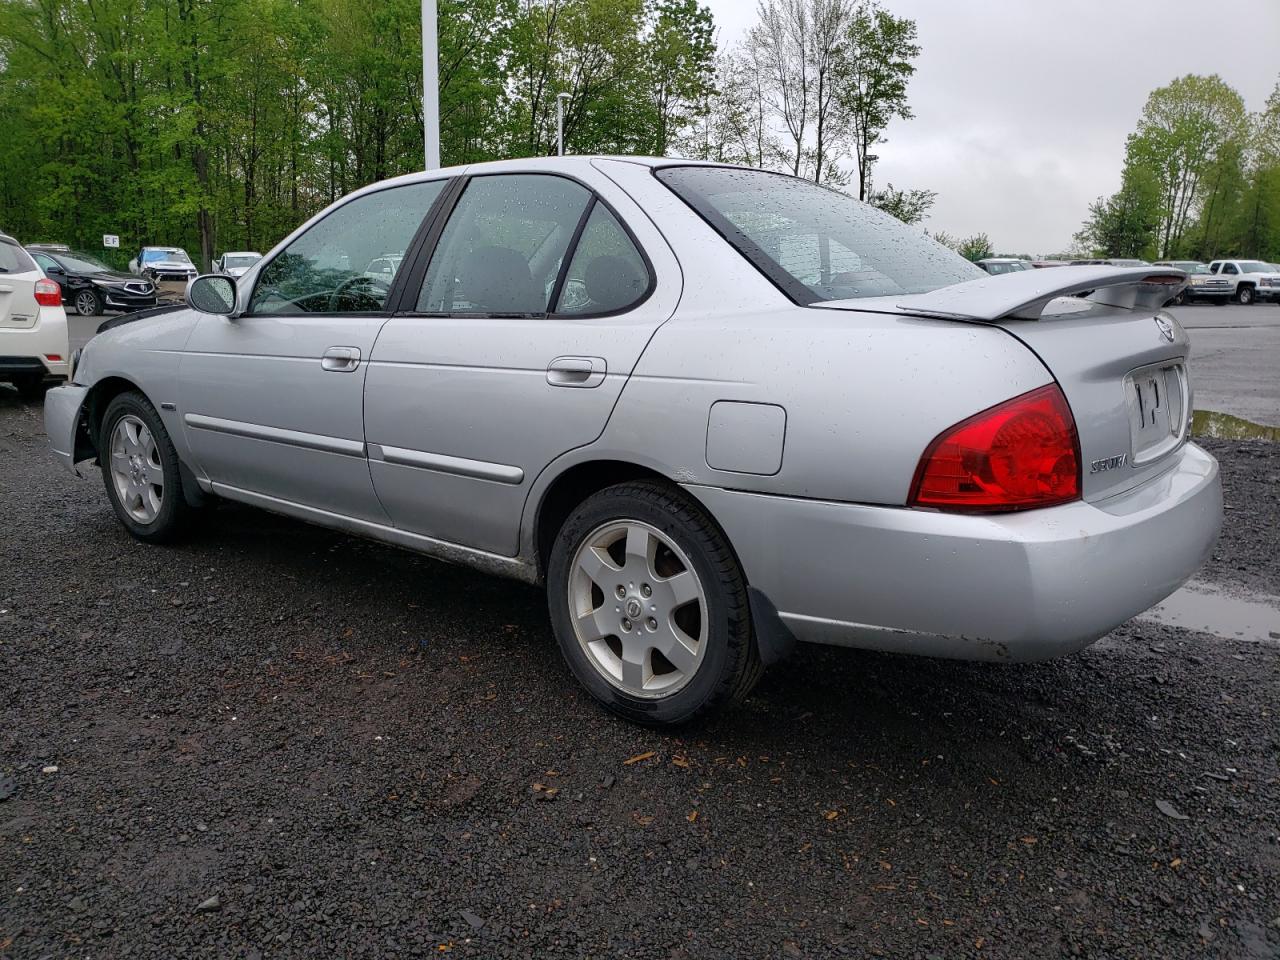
{"x": 650, "y": 607}
{"x": 88, "y": 303}
{"x": 140, "y": 471}
{"x": 1244, "y": 295}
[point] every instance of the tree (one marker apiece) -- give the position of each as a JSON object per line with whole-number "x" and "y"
{"x": 1180, "y": 133}
{"x": 681, "y": 64}
{"x": 909, "y": 206}
{"x": 1127, "y": 224}
{"x": 876, "y": 66}
{"x": 975, "y": 248}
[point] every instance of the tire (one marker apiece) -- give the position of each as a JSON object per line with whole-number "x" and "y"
{"x": 1244, "y": 295}
{"x": 87, "y": 303}
{"x": 642, "y": 595}
{"x": 149, "y": 514}
{"x": 30, "y": 386}
{"x": 1179, "y": 300}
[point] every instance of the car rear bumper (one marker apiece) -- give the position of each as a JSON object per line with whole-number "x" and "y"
{"x": 1020, "y": 586}
{"x": 62, "y": 406}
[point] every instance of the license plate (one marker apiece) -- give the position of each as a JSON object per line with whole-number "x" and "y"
{"x": 1157, "y": 410}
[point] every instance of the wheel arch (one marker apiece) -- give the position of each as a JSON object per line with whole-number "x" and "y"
{"x": 569, "y": 488}
{"x": 95, "y": 407}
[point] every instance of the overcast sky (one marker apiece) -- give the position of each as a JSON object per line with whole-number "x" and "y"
{"x": 1022, "y": 108}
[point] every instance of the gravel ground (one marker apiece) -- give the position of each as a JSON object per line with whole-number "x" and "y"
{"x": 276, "y": 741}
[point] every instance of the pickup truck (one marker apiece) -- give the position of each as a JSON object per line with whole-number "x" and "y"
{"x": 1249, "y": 280}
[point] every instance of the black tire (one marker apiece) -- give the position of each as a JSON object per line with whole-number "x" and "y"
{"x": 175, "y": 515}
{"x": 30, "y": 386}
{"x": 1244, "y": 295}
{"x": 87, "y": 303}
{"x": 731, "y": 663}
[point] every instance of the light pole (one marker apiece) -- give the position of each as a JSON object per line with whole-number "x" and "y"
{"x": 430, "y": 85}
{"x": 560, "y": 101}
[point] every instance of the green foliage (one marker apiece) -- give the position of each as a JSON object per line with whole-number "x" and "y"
{"x": 1201, "y": 179}
{"x": 878, "y": 63}
{"x": 1183, "y": 132}
{"x": 1127, "y": 224}
{"x": 223, "y": 124}
{"x": 975, "y": 248}
{"x": 909, "y": 206}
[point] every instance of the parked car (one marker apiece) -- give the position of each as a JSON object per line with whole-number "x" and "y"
{"x": 163, "y": 265}
{"x": 998, "y": 265}
{"x": 384, "y": 268}
{"x": 52, "y": 247}
{"x": 1201, "y": 284}
{"x": 235, "y": 264}
{"x": 1042, "y": 264}
{"x": 91, "y": 286}
{"x": 715, "y": 410}
{"x": 33, "y": 325}
{"x": 1245, "y": 279}
{"x": 1126, "y": 262}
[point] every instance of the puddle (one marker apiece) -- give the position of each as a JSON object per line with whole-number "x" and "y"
{"x": 1205, "y": 608}
{"x": 1223, "y": 426}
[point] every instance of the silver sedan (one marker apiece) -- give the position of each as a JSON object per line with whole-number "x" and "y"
{"x": 715, "y": 410}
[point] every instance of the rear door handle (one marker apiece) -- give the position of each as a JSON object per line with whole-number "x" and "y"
{"x": 341, "y": 359}
{"x": 576, "y": 371}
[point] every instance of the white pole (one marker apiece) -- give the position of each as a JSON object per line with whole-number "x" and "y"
{"x": 560, "y": 99}
{"x": 430, "y": 85}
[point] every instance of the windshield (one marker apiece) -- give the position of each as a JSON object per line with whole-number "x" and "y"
{"x": 149, "y": 256}
{"x": 80, "y": 262}
{"x": 230, "y": 263}
{"x": 1194, "y": 268}
{"x": 1013, "y": 267}
{"x": 814, "y": 243}
{"x": 1254, "y": 266}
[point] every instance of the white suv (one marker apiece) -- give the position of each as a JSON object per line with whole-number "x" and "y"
{"x": 33, "y": 325}
{"x": 1250, "y": 280}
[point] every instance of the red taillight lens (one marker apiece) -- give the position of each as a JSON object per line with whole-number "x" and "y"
{"x": 1022, "y": 453}
{"x": 48, "y": 293}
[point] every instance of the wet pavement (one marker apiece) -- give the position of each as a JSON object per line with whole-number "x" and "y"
{"x": 1207, "y": 608}
{"x": 1235, "y": 352}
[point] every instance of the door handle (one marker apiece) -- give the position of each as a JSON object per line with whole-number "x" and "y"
{"x": 576, "y": 371}
{"x": 341, "y": 359}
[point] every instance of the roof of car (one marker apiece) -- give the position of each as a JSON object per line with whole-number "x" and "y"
{"x": 1003, "y": 260}
{"x": 242, "y": 253}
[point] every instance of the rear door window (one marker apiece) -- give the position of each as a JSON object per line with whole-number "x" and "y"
{"x": 607, "y": 273}
{"x": 501, "y": 251}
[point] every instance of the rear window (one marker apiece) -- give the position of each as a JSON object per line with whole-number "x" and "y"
{"x": 13, "y": 259}
{"x": 814, "y": 243}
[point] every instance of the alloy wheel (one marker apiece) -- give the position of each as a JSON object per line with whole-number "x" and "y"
{"x": 86, "y": 303}
{"x": 638, "y": 609}
{"x": 135, "y": 469}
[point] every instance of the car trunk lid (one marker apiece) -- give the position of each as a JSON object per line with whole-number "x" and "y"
{"x": 18, "y": 307}
{"x": 1100, "y": 331}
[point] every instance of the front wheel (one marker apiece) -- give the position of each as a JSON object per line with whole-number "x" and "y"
{"x": 650, "y": 607}
{"x": 1244, "y": 296}
{"x": 88, "y": 303}
{"x": 140, "y": 471}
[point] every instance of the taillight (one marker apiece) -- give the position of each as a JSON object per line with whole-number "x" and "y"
{"x": 1019, "y": 454}
{"x": 48, "y": 293}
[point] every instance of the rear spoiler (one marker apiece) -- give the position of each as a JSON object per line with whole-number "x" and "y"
{"x": 1025, "y": 294}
